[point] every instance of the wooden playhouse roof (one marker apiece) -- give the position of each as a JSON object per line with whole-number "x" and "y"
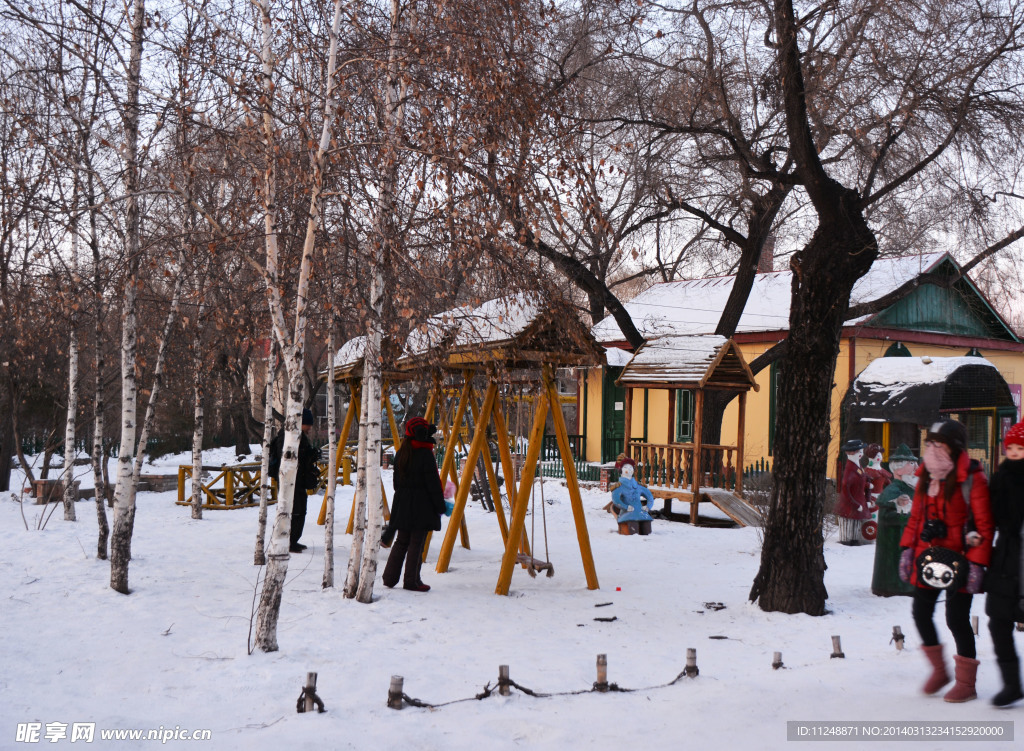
{"x": 515, "y": 332}
{"x": 688, "y": 362}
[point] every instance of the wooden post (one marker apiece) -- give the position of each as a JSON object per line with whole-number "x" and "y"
{"x": 515, "y": 532}
{"x": 897, "y": 636}
{"x": 602, "y": 673}
{"x": 479, "y": 439}
{"x": 395, "y": 700}
{"x": 229, "y": 487}
{"x": 181, "y": 483}
{"x": 508, "y": 468}
{"x": 837, "y": 649}
{"x": 629, "y": 421}
{"x": 353, "y": 401}
{"x": 396, "y": 437}
{"x": 698, "y": 426}
{"x": 777, "y": 660}
{"x": 741, "y": 428}
{"x": 492, "y": 476}
{"x": 974, "y": 624}
{"x": 692, "y": 671}
{"x": 448, "y": 462}
{"x": 671, "y": 434}
{"x": 503, "y": 685}
{"x": 582, "y": 535}
{"x": 310, "y": 691}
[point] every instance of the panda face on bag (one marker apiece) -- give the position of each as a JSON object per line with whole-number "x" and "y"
{"x": 938, "y": 575}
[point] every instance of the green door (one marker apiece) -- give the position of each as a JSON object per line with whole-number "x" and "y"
{"x": 613, "y": 415}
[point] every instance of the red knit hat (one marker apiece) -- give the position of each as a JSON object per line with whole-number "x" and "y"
{"x": 1015, "y": 435}
{"x": 622, "y": 460}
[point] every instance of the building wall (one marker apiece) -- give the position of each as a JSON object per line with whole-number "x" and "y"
{"x": 853, "y": 357}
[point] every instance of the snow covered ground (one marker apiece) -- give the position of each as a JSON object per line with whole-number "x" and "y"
{"x": 173, "y": 654}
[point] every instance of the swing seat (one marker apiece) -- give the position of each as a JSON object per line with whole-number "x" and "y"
{"x": 533, "y": 565}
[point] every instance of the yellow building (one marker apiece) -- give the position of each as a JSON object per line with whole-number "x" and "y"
{"x": 930, "y": 322}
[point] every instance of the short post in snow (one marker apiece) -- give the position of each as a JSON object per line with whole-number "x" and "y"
{"x": 897, "y": 637}
{"x": 777, "y": 660}
{"x": 503, "y": 681}
{"x": 395, "y": 692}
{"x": 691, "y": 669}
{"x": 310, "y": 691}
{"x": 837, "y": 649}
{"x": 602, "y": 674}
{"x": 974, "y": 624}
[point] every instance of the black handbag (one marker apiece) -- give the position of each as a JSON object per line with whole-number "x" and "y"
{"x": 942, "y": 568}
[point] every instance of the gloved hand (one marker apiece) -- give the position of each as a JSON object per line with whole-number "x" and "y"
{"x": 975, "y": 577}
{"x": 449, "y": 506}
{"x": 906, "y": 564}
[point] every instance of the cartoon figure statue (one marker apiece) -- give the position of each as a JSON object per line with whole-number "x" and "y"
{"x": 877, "y": 476}
{"x": 629, "y": 500}
{"x": 853, "y": 507}
{"x": 893, "y": 512}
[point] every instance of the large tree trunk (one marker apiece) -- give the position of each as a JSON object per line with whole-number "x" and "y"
{"x": 842, "y": 249}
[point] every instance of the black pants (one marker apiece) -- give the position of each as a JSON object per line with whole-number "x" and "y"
{"x": 298, "y": 514}
{"x": 958, "y": 618}
{"x": 1002, "y": 639}
{"x": 407, "y": 548}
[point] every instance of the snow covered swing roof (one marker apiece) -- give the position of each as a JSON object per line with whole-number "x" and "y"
{"x": 918, "y": 389}
{"x": 517, "y": 331}
{"x": 691, "y": 362}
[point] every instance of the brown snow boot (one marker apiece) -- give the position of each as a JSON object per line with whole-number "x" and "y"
{"x": 939, "y": 676}
{"x": 966, "y": 670}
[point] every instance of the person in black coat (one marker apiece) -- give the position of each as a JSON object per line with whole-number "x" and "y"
{"x": 417, "y": 505}
{"x": 307, "y": 477}
{"x": 1004, "y": 603}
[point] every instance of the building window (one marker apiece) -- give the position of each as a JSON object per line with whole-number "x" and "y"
{"x": 684, "y": 416}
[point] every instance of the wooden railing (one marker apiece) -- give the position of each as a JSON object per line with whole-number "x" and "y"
{"x": 232, "y": 486}
{"x": 671, "y": 465}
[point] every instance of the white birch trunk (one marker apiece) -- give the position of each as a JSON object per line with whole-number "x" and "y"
{"x": 355, "y": 553}
{"x": 70, "y": 494}
{"x": 260, "y": 554}
{"x": 99, "y": 457}
{"x": 277, "y": 566}
{"x": 332, "y": 475}
{"x": 124, "y": 491}
{"x": 394, "y": 91}
{"x": 197, "y": 431}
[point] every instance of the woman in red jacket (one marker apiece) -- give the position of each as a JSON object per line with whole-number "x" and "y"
{"x": 940, "y": 518}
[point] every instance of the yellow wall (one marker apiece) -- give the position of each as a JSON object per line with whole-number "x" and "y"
{"x": 1009, "y": 364}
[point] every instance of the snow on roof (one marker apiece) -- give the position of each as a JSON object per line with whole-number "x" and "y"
{"x": 893, "y": 371}
{"x": 617, "y": 358}
{"x": 694, "y": 306}
{"x": 674, "y": 359}
{"x": 350, "y": 353}
{"x": 493, "y": 322}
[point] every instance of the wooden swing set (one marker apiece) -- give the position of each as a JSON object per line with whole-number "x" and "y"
{"x": 494, "y": 341}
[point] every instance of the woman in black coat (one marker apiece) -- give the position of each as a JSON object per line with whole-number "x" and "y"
{"x": 1005, "y": 601}
{"x": 417, "y": 505}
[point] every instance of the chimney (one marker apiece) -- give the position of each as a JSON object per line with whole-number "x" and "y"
{"x": 766, "y": 263}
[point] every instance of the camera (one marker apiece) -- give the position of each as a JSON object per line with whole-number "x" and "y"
{"x": 933, "y": 528}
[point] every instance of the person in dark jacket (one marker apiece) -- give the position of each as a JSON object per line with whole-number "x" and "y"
{"x": 417, "y": 506}
{"x": 1004, "y": 603}
{"x": 940, "y": 517}
{"x": 307, "y": 477}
